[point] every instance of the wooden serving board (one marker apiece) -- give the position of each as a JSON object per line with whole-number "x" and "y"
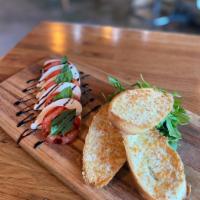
{"x": 65, "y": 161}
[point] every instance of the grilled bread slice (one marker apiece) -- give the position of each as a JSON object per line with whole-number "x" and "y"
{"x": 139, "y": 110}
{"x": 103, "y": 153}
{"x": 156, "y": 167}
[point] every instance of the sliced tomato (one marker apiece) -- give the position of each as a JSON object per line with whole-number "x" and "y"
{"x": 77, "y": 122}
{"x": 70, "y": 136}
{"x": 50, "y": 98}
{"x": 67, "y": 138}
{"x": 50, "y": 84}
{"x": 53, "y": 74}
{"x": 54, "y": 139}
{"x": 52, "y": 114}
{"x": 52, "y": 64}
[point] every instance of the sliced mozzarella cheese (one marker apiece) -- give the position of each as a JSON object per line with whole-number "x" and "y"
{"x": 76, "y": 91}
{"x": 51, "y": 61}
{"x": 68, "y": 103}
{"x": 72, "y": 67}
{"x": 43, "y": 84}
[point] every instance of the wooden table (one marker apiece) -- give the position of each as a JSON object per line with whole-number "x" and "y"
{"x": 168, "y": 60}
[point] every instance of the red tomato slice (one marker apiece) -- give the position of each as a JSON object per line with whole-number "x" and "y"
{"x": 77, "y": 122}
{"x": 52, "y": 64}
{"x": 70, "y": 136}
{"x": 52, "y": 114}
{"x": 50, "y": 98}
{"x": 53, "y": 74}
{"x": 49, "y": 85}
{"x": 67, "y": 138}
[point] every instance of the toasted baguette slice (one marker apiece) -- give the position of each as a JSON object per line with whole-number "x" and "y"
{"x": 103, "y": 153}
{"x": 139, "y": 110}
{"x": 156, "y": 167}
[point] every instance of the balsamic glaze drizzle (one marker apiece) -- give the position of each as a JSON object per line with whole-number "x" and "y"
{"x": 52, "y": 89}
{"x": 29, "y": 88}
{"x": 25, "y": 110}
{"x": 27, "y": 119}
{"x": 37, "y": 144}
{"x": 22, "y": 100}
{"x": 32, "y": 80}
{"x": 24, "y": 134}
{"x": 84, "y": 76}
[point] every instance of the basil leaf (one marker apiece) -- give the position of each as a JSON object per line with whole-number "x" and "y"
{"x": 65, "y": 75}
{"x": 67, "y": 127}
{"x": 64, "y": 60}
{"x": 65, "y": 93}
{"x": 64, "y": 115}
{"x": 63, "y": 122}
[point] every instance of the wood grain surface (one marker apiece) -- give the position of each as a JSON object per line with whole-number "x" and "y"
{"x": 65, "y": 161}
{"x": 168, "y": 60}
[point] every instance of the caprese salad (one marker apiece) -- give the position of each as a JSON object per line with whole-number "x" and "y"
{"x": 58, "y": 100}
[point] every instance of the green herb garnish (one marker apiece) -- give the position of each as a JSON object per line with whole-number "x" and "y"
{"x": 65, "y": 75}
{"x": 64, "y": 60}
{"x": 169, "y": 126}
{"x": 63, "y": 123}
{"x": 65, "y": 93}
{"x": 117, "y": 85}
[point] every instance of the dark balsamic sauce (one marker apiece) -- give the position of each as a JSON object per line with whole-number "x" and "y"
{"x": 16, "y": 103}
{"x": 84, "y": 76}
{"x": 52, "y": 89}
{"x": 84, "y": 85}
{"x": 37, "y": 144}
{"x": 25, "y": 110}
{"x": 29, "y": 88}
{"x": 24, "y": 134}
{"x": 32, "y": 80}
{"x": 27, "y": 119}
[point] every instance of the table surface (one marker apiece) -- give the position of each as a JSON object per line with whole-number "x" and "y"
{"x": 168, "y": 60}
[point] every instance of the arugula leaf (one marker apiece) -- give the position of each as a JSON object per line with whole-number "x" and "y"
{"x": 142, "y": 83}
{"x": 65, "y": 93}
{"x": 65, "y": 75}
{"x": 64, "y": 60}
{"x": 117, "y": 85}
{"x": 63, "y": 122}
{"x": 168, "y": 127}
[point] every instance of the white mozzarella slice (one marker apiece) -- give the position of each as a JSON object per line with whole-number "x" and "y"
{"x": 75, "y": 90}
{"x": 72, "y": 67}
{"x": 68, "y": 103}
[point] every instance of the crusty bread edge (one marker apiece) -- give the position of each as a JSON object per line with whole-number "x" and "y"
{"x": 140, "y": 189}
{"x": 126, "y": 128}
{"x": 84, "y": 174}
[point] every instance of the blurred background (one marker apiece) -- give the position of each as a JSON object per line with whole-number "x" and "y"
{"x": 17, "y": 17}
